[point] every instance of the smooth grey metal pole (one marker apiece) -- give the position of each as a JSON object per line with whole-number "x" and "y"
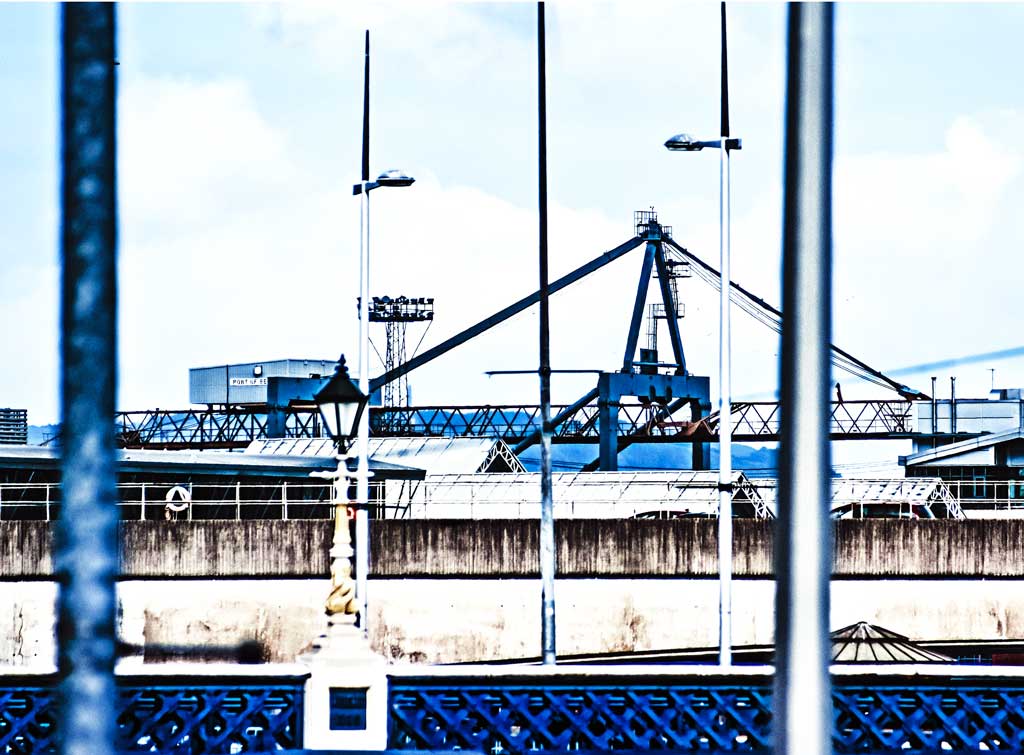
{"x": 86, "y": 536}
{"x": 724, "y": 431}
{"x": 725, "y": 491}
{"x": 802, "y": 720}
{"x": 547, "y": 513}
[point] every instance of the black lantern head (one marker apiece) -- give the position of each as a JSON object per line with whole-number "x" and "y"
{"x": 340, "y": 403}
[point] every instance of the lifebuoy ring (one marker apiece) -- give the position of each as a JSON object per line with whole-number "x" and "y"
{"x": 183, "y": 495}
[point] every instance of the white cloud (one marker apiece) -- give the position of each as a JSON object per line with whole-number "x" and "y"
{"x": 231, "y": 267}
{"x": 919, "y": 240}
{"x": 223, "y": 232}
{"x": 29, "y": 347}
{"x": 447, "y": 41}
{"x": 195, "y": 151}
{"x": 237, "y": 245}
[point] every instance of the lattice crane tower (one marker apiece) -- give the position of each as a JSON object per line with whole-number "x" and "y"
{"x": 396, "y": 314}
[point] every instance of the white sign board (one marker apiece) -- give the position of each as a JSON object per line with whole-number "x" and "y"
{"x": 233, "y": 382}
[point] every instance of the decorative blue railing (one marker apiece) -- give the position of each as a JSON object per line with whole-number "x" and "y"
{"x": 521, "y": 719}
{"x": 505, "y": 716}
{"x": 507, "y": 712}
{"x": 191, "y": 717}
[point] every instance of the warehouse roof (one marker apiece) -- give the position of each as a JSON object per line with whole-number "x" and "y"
{"x": 141, "y": 462}
{"x": 433, "y": 455}
{"x": 580, "y": 494}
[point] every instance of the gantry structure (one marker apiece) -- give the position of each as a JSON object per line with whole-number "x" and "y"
{"x": 644, "y": 401}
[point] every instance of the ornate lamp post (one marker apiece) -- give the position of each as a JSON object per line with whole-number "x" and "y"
{"x": 341, "y": 405}
{"x": 346, "y": 694}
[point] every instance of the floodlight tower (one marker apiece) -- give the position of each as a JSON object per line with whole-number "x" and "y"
{"x": 396, "y": 314}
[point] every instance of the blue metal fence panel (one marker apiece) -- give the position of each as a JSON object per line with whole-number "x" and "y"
{"x": 525, "y": 718}
{"x": 513, "y": 718}
{"x": 520, "y": 716}
{"x": 28, "y": 720}
{"x": 187, "y": 718}
{"x": 932, "y": 718}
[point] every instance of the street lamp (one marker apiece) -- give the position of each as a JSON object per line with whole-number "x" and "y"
{"x": 389, "y": 179}
{"x": 340, "y": 403}
{"x": 341, "y": 406}
{"x": 345, "y": 697}
{"x": 686, "y": 143}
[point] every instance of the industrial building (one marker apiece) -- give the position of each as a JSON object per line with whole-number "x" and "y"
{"x": 13, "y": 426}
{"x": 976, "y": 447}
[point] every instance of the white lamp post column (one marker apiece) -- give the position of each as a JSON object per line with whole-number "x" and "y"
{"x": 363, "y": 433}
{"x": 394, "y": 179}
{"x": 686, "y": 143}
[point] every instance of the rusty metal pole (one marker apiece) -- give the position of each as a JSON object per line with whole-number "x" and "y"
{"x": 802, "y": 720}
{"x": 86, "y": 536}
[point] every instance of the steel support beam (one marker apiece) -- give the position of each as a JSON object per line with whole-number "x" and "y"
{"x": 903, "y": 390}
{"x": 556, "y": 421}
{"x": 701, "y": 452}
{"x": 659, "y": 389}
{"x": 670, "y": 311}
{"x": 608, "y": 434}
{"x": 638, "y": 306}
{"x": 510, "y": 311}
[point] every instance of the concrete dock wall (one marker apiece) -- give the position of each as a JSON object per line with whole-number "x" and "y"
{"x": 446, "y": 591}
{"x": 496, "y": 549}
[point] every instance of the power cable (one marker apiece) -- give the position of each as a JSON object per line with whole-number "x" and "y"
{"x": 771, "y": 317}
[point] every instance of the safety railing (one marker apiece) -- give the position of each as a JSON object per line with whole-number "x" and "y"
{"x": 989, "y": 495}
{"x": 156, "y": 500}
{"x": 516, "y": 497}
{"x": 612, "y": 495}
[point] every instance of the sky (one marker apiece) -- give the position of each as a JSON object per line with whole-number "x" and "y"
{"x": 239, "y": 139}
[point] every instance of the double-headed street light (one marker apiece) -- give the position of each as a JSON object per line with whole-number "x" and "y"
{"x": 390, "y": 179}
{"x": 686, "y": 143}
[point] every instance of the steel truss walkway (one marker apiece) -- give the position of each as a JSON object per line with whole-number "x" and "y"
{"x": 515, "y": 424}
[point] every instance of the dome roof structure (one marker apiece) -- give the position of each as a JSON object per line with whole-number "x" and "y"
{"x": 866, "y": 643}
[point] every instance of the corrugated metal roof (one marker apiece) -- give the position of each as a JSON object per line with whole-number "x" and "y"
{"x": 922, "y": 458}
{"x": 319, "y": 447}
{"x": 448, "y": 455}
{"x": 197, "y": 462}
{"x": 577, "y": 494}
{"x": 433, "y": 455}
{"x": 917, "y": 494}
